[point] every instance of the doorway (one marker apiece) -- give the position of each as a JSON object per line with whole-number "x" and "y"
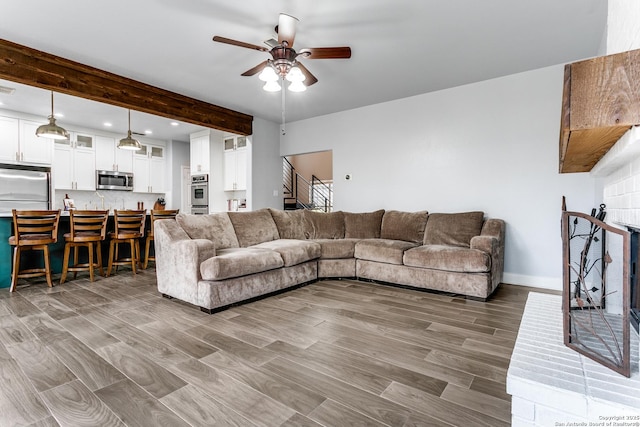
{"x": 308, "y": 181}
{"x": 185, "y": 185}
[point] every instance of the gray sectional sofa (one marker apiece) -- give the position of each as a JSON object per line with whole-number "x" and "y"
{"x": 220, "y": 259}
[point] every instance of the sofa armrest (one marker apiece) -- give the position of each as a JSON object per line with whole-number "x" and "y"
{"x": 178, "y": 259}
{"x": 493, "y": 229}
{"x": 488, "y": 244}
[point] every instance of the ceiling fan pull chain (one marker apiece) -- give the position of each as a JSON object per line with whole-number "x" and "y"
{"x": 283, "y": 108}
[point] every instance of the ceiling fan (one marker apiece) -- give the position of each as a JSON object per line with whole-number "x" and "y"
{"x": 284, "y": 59}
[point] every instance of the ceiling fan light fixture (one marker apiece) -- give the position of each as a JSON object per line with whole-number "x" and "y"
{"x": 268, "y": 74}
{"x": 129, "y": 143}
{"x": 272, "y": 86}
{"x": 297, "y": 86}
{"x": 51, "y": 129}
{"x": 295, "y": 75}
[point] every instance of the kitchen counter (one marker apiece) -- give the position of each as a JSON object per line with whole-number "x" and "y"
{"x": 56, "y": 250}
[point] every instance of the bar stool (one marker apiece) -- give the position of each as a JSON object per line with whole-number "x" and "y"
{"x": 155, "y": 215}
{"x": 88, "y": 229}
{"x": 33, "y": 230}
{"x": 129, "y": 227}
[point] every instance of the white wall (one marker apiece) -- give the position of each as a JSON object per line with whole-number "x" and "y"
{"x": 623, "y": 26}
{"x": 490, "y": 146}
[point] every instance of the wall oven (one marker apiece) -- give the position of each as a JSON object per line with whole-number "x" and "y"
{"x": 200, "y": 194}
{"x": 114, "y": 180}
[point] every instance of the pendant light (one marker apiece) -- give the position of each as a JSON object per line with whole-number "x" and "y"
{"x": 51, "y": 129}
{"x": 129, "y": 143}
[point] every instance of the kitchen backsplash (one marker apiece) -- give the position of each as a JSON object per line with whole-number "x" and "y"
{"x": 112, "y": 199}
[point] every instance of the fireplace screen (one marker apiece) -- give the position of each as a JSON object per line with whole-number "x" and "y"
{"x": 596, "y": 288}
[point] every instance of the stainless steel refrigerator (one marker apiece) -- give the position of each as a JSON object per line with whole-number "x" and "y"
{"x": 24, "y": 188}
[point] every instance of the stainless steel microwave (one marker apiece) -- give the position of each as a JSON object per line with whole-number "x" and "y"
{"x": 114, "y": 180}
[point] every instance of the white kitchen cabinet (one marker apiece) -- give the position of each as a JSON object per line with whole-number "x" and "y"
{"x": 149, "y": 169}
{"x": 200, "y": 153}
{"x": 235, "y": 163}
{"x": 74, "y": 163}
{"x": 111, "y": 158}
{"x": 20, "y": 143}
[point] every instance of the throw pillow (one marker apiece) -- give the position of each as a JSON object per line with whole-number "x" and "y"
{"x": 455, "y": 229}
{"x": 364, "y": 225}
{"x": 407, "y": 226}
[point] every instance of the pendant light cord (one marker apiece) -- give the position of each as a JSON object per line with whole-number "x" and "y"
{"x": 284, "y": 132}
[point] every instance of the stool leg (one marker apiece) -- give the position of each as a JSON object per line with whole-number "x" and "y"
{"x": 47, "y": 266}
{"x": 99, "y": 254}
{"x": 111, "y": 254}
{"x": 134, "y": 259}
{"x": 90, "y": 247}
{"x": 76, "y": 260}
{"x": 16, "y": 268}
{"x": 65, "y": 263}
{"x": 146, "y": 252}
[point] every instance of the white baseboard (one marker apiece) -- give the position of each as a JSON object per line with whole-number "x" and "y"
{"x": 552, "y": 283}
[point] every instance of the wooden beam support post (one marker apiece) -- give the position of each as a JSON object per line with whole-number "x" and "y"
{"x": 32, "y": 67}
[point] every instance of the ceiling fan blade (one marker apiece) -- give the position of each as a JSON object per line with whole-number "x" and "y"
{"x": 225, "y": 40}
{"x": 287, "y": 29}
{"x": 309, "y": 78}
{"x": 326, "y": 52}
{"x": 255, "y": 70}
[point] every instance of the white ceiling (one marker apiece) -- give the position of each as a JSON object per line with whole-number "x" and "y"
{"x": 399, "y": 48}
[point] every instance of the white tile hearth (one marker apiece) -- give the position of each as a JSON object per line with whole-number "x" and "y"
{"x": 553, "y": 385}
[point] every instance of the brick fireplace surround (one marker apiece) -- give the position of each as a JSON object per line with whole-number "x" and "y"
{"x": 551, "y": 384}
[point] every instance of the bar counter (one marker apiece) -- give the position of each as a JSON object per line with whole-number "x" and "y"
{"x": 56, "y": 250}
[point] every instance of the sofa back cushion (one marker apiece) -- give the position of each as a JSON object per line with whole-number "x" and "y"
{"x": 326, "y": 225}
{"x": 407, "y": 226}
{"x": 292, "y": 224}
{"x": 254, "y": 227}
{"x": 454, "y": 229}
{"x": 364, "y": 225}
{"x": 215, "y": 227}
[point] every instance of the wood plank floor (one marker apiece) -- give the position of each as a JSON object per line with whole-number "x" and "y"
{"x": 334, "y": 353}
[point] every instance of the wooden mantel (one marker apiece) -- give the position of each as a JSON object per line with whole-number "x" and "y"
{"x": 40, "y": 69}
{"x": 600, "y": 102}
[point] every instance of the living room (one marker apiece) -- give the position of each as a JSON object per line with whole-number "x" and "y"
{"x": 490, "y": 145}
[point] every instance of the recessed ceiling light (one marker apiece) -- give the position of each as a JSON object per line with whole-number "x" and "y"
{"x": 148, "y": 132}
{"x": 174, "y": 123}
{"x": 107, "y": 124}
{"x": 59, "y": 115}
{"x": 1, "y": 103}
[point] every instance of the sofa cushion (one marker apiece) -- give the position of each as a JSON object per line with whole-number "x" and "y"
{"x": 254, "y": 227}
{"x": 293, "y": 252}
{"x": 448, "y": 258}
{"x": 382, "y": 250}
{"x": 454, "y": 229}
{"x": 326, "y": 225}
{"x": 236, "y": 262}
{"x": 407, "y": 226}
{"x": 292, "y": 224}
{"x": 365, "y": 225}
{"x": 216, "y": 227}
{"x": 337, "y": 248}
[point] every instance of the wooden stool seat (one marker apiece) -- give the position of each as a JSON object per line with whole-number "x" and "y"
{"x": 129, "y": 228}
{"x": 33, "y": 230}
{"x": 156, "y": 215}
{"x": 88, "y": 229}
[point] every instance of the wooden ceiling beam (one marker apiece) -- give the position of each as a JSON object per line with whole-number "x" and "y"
{"x": 32, "y": 67}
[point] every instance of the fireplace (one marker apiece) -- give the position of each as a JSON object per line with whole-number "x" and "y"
{"x": 634, "y": 307}
{"x": 597, "y": 271}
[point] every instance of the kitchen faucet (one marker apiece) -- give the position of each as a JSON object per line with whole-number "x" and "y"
{"x": 101, "y": 199}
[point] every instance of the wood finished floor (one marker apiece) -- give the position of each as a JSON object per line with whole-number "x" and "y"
{"x": 334, "y": 353}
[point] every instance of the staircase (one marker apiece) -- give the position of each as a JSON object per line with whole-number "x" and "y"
{"x": 299, "y": 193}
